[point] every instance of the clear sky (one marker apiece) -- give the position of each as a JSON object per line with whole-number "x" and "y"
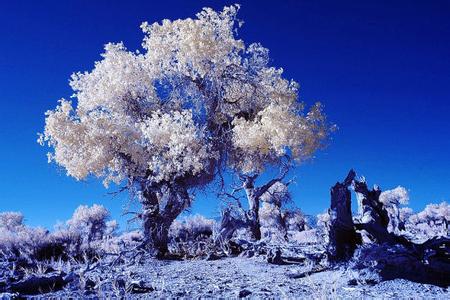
{"x": 381, "y": 68}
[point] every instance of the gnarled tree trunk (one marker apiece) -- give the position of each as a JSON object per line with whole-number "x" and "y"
{"x": 254, "y": 199}
{"x": 253, "y": 208}
{"x": 158, "y": 217}
{"x": 228, "y": 226}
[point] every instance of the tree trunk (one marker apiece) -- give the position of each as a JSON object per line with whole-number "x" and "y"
{"x": 253, "y": 208}
{"x": 157, "y": 219}
{"x": 228, "y": 226}
{"x": 343, "y": 237}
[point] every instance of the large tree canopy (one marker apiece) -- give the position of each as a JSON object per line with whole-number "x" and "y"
{"x": 194, "y": 101}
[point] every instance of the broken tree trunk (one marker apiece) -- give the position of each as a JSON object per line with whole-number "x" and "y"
{"x": 425, "y": 263}
{"x": 391, "y": 255}
{"x": 343, "y": 238}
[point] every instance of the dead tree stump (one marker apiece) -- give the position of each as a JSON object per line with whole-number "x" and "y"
{"x": 343, "y": 238}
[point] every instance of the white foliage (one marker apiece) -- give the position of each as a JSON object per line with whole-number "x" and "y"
{"x": 435, "y": 213}
{"x": 278, "y": 221}
{"x": 323, "y": 219}
{"x": 274, "y": 130}
{"x": 294, "y": 220}
{"x": 166, "y": 113}
{"x": 396, "y": 196}
{"x": 272, "y": 223}
{"x": 405, "y": 213}
{"x": 87, "y": 230}
{"x": 194, "y": 47}
{"x": 432, "y": 221}
{"x": 16, "y": 239}
{"x": 10, "y": 220}
{"x": 175, "y": 145}
{"x": 309, "y": 236}
{"x": 277, "y": 194}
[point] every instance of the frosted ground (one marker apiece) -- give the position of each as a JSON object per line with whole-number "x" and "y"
{"x": 237, "y": 277}
{"x": 87, "y": 257}
{"x": 302, "y": 272}
{"x": 253, "y": 277}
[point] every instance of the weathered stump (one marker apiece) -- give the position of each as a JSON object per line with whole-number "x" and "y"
{"x": 343, "y": 238}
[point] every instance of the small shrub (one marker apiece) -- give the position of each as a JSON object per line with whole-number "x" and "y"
{"x": 192, "y": 236}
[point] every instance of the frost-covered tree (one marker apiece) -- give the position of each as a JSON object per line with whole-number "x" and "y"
{"x": 392, "y": 201}
{"x": 276, "y": 217}
{"x": 164, "y": 120}
{"x": 430, "y": 222}
{"x": 279, "y": 136}
{"x": 270, "y": 214}
{"x": 89, "y": 222}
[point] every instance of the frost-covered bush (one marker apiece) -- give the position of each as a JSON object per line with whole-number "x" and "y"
{"x": 10, "y": 220}
{"x": 294, "y": 219}
{"x": 191, "y": 227}
{"x": 323, "y": 220}
{"x": 405, "y": 214}
{"x": 322, "y": 223}
{"x": 85, "y": 231}
{"x": 111, "y": 228}
{"x": 272, "y": 223}
{"x": 18, "y": 240}
{"x": 115, "y": 244}
{"x": 279, "y": 224}
{"x": 278, "y": 194}
{"x": 191, "y": 236}
{"x": 276, "y": 218}
{"x": 309, "y": 236}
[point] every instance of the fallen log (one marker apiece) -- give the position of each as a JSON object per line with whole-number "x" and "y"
{"x": 427, "y": 263}
{"x": 35, "y": 285}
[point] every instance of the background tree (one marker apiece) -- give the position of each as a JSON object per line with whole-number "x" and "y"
{"x": 90, "y": 222}
{"x": 164, "y": 121}
{"x": 430, "y": 222}
{"x": 392, "y": 201}
{"x": 278, "y": 136}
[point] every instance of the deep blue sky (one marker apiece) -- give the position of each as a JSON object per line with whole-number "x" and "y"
{"x": 382, "y": 69}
